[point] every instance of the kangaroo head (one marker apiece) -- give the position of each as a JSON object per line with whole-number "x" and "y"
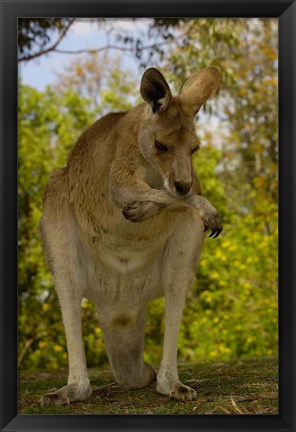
{"x": 167, "y": 137}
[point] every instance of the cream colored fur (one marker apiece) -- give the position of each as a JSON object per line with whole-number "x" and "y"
{"x": 123, "y": 224}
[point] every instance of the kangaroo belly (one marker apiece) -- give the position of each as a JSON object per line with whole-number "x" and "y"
{"x": 114, "y": 283}
{"x": 124, "y": 261}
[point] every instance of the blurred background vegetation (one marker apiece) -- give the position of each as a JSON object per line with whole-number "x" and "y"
{"x": 232, "y": 311}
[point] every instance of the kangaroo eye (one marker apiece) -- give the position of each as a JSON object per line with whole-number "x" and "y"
{"x": 161, "y": 147}
{"x": 194, "y": 150}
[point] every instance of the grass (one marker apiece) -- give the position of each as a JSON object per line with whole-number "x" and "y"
{"x": 242, "y": 387}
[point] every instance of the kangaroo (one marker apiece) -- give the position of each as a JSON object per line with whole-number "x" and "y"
{"x": 123, "y": 223}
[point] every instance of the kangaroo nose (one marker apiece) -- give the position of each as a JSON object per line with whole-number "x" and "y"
{"x": 182, "y": 188}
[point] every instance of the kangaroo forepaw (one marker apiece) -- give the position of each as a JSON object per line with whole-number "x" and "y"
{"x": 139, "y": 211}
{"x": 213, "y": 221}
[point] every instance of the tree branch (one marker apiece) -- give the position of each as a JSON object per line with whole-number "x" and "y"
{"x": 51, "y": 48}
{"x": 92, "y": 51}
{"x": 108, "y": 46}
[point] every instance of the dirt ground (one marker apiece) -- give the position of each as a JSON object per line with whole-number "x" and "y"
{"x": 242, "y": 387}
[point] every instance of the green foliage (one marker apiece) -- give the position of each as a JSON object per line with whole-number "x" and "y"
{"x": 232, "y": 310}
{"x": 101, "y": 79}
{"x": 236, "y": 294}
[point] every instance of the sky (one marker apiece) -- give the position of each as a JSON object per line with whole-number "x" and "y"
{"x": 83, "y": 34}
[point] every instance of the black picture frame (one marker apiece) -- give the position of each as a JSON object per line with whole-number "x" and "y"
{"x": 285, "y": 11}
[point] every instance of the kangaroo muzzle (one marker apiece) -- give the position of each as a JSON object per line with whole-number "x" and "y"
{"x": 183, "y": 188}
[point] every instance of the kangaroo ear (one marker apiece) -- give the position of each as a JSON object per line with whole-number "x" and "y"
{"x": 155, "y": 90}
{"x": 199, "y": 87}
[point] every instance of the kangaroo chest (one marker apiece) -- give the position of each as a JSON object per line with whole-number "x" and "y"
{"x": 125, "y": 247}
